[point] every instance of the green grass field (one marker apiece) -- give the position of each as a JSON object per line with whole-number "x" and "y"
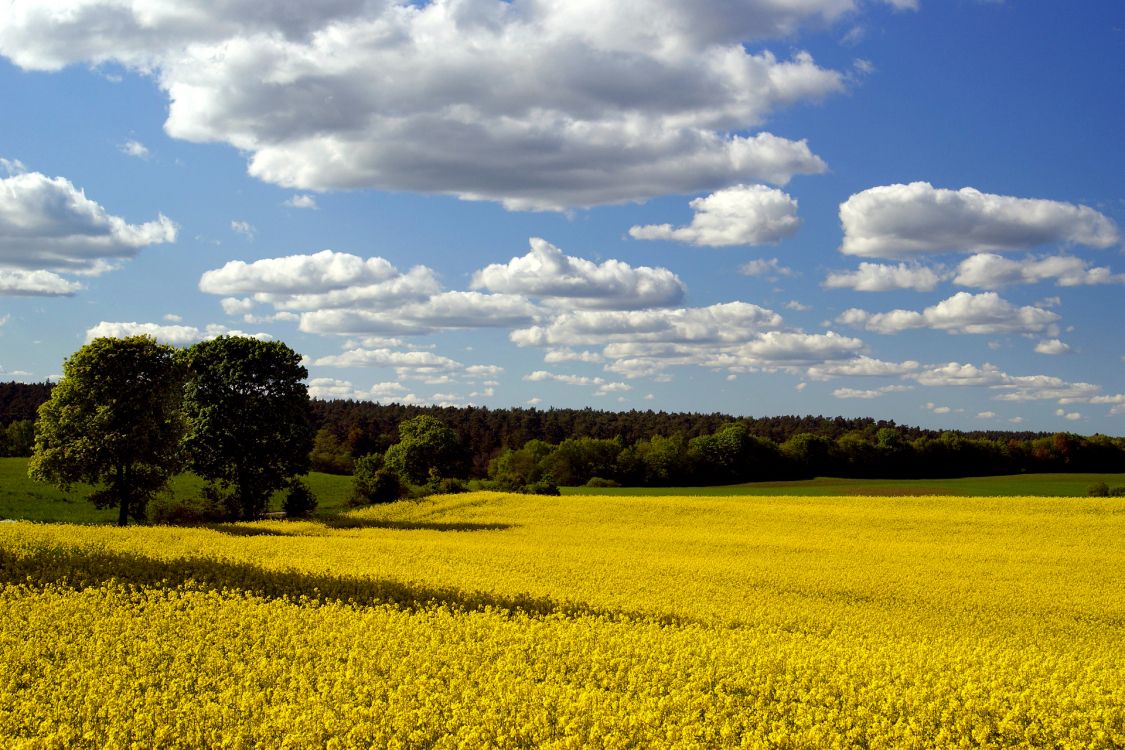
{"x": 25, "y": 499}
{"x": 1041, "y": 485}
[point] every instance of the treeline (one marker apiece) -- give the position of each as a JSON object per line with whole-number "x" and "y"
{"x": 571, "y": 446}
{"x": 515, "y": 447}
{"x": 732, "y": 455}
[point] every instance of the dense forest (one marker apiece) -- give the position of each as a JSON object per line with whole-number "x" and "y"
{"x": 518, "y": 447}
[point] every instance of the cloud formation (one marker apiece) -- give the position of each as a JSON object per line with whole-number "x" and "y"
{"x": 327, "y": 279}
{"x": 961, "y": 313}
{"x": 20, "y": 282}
{"x": 539, "y": 105}
{"x": 989, "y": 271}
{"x": 739, "y": 215}
{"x": 177, "y": 335}
{"x": 48, "y": 224}
{"x": 898, "y": 221}
{"x": 879, "y": 277}
{"x": 545, "y": 272}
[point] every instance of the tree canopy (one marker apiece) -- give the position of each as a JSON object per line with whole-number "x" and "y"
{"x": 247, "y": 410}
{"x": 113, "y": 420}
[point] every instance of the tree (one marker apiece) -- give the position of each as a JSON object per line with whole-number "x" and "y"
{"x": 426, "y": 447}
{"x": 113, "y": 420}
{"x": 247, "y": 410}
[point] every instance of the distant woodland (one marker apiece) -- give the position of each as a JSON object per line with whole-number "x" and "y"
{"x": 517, "y": 448}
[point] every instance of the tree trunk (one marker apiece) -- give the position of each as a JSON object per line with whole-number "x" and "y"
{"x": 122, "y": 497}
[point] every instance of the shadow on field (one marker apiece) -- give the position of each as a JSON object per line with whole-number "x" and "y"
{"x": 83, "y": 568}
{"x": 351, "y": 522}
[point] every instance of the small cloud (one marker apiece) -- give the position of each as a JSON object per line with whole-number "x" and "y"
{"x": 173, "y": 318}
{"x": 1070, "y": 416}
{"x": 136, "y": 149}
{"x": 534, "y": 401}
{"x": 245, "y": 228}
{"x": 1016, "y": 420}
{"x": 771, "y": 267}
{"x": 1052, "y": 346}
{"x": 800, "y": 386}
{"x": 12, "y": 167}
{"x": 739, "y": 215}
{"x": 650, "y": 397}
{"x": 797, "y": 306}
{"x": 987, "y": 415}
{"x": 863, "y": 67}
{"x": 302, "y": 200}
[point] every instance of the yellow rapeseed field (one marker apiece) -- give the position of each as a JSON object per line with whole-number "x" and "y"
{"x": 490, "y": 620}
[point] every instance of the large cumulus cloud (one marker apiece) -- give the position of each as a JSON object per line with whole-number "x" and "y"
{"x": 540, "y": 105}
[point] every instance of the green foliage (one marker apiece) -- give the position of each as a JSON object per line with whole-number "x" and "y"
{"x": 374, "y": 482}
{"x": 425, "y": 446}
{"x": 300, "y": 501}
{"x": 169, "y": 510}
{"x": 330, "y": 454}
{"x": 113, "y": 421}
{"x": 1100, "y": 489}
{"x": 600, "y": 482}
{"x": 18, "y": 438}
{"x": 246, "y": 405}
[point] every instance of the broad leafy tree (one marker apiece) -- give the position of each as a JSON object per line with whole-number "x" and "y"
{"x": 114, "y": 421}
{"x": 247, "y": 410}
{"x": 426, "y": 448}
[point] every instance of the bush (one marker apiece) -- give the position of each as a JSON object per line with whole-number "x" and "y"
{"x": 165, "y": 509}
{"x": 543, "y": 487}
{"x": 375, "y": 483}
{"x": 300, "y": 501}
{"x": 600, "y": 482}
{"x": 1117, "y": 492}
{"x": 1101, "y": 489}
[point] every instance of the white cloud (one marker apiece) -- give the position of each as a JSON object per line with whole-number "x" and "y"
{"x": 547, "y": 273}
{"x": 173, "y": 318}
{"x": 989, "y": 271}
{"x": 1051, "y": 346}
{"x": 895, "y": 221}
{"x": 327, "y": 279}
{"x": 135, "y": 148}
{"x": 426, "y": 366}
{"x": 541, "y": 105}
{"x": 177, "y": 335}
{"x": 797, "y": 306}
{"x": 245, "y": 228}
{"x": 1007, "y": 387}
{"x": 862, "y": 367}
{"x": 333, "y": 388}
{"x": 987, "y": 415}
{"x": 21, "y": 282}
{"x": 931, "y": 406}
{"x": 879, "y": 277}
{"x": 1071, "y": 416}
{"x": 448, "y": 310}
{"x": 46, "y": 223}
{"x": 727, "y": 322}
{"x": 739, "y": 215}
{"x": 761, "y": 267}
{"x": 236, "y": 306}
{"x": 301, "y": 201}
{"x": 601, "y": 385}
{"x": 869, "y": 393}
{"x": 962, "y": 313}
{"x": 569, "y": 355}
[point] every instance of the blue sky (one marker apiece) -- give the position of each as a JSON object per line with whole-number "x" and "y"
{"x": 905, "y": 210}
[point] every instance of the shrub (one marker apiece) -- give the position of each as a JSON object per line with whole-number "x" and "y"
{"x": 1117, "y": 492}
{"x": 167, "y": 510}
{"x": 1101, "y": 489}
{"x": 543, "y": 487}
{"x": 600, "y": 482}
{"x": 300, "y": 501}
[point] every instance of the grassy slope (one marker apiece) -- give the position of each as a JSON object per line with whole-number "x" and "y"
{"x": 27, "y": 499}
{"x": 22, "y": 498}
{"x": 1044, "y": 485}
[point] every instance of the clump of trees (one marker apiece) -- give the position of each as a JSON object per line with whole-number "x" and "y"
{"x": 427, "y": 459}
{"x": 130, "y": 413}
